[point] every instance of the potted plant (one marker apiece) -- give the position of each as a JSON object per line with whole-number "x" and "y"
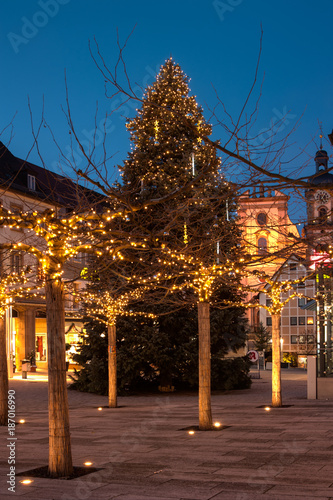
{"x": 32, "y": 360}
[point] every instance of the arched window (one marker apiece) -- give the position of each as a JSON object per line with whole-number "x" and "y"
{"x": 262, "y": 246}
{"x": 322, "y": 213}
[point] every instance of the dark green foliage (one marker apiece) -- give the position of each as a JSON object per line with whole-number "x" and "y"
{"x": 228, "y": 374}
{"x": 152, "y": 353}
{"x": 262, "y": 336}
{"x": 166, "y": 155}
{"x": 93, "y": 377}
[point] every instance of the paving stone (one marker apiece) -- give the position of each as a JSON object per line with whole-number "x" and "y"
{"x": 282, "y": 454}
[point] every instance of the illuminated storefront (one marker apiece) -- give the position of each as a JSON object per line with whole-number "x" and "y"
{"x": 20, "y": 334}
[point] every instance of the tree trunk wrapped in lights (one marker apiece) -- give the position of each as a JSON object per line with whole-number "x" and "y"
{"x": 205, "y": 410}
{"x": 276, "y": 360}
{"x": 60, "y": 456}
{"x": 112, "y": 363}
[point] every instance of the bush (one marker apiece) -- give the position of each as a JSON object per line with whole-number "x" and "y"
{"x": 228, "y": 374}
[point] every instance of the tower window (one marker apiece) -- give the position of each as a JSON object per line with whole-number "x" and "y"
{"x": 322, "y": 214}
{"x": 262, "y": 219}
{"x": 262, "y": 246}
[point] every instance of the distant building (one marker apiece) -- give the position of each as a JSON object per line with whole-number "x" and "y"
{"x": 319, "y": 235}
{"x": 267, "y": 229}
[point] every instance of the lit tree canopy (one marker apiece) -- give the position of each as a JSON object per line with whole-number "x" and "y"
{"x": 166, "y": 153}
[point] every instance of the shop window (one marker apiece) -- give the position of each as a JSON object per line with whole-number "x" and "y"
{"x": 301, "y": 320}
{"x": 268, "y": 321}
{"x": 262, "y": 246}
{"x": 41, "y": 347}
{"x": 73, "y": 342}
{"x": 293, "y": 320}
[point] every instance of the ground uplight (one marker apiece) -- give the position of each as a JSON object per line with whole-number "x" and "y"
{"x": 217, "y": 424}
{"x": 26, "y": 481}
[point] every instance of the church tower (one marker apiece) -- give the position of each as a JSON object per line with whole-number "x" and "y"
{"x": 319, "y": 200}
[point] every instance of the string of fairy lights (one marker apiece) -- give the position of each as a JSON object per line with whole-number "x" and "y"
{"x": 12, "y": 286}
{"x": 110, "y": 305}
{"x": 155, "y": 159}
{"x": 65, "y": 237}
{"x": 154, "y": 128}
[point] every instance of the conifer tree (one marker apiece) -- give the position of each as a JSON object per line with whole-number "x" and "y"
{"x": 167, "y": 155}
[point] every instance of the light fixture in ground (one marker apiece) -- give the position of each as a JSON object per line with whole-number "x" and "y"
{"x": 217, "y": 424}
{"x": 22, "y": 421}
{"x": 26, "y": 481}
{"x": 191, "y": 432}
{"x": 99, "y": 408}
{"x": 87, "y": 464}
{"x": 267, "y": 408}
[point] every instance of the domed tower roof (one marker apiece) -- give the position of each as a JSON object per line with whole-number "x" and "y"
{"x": 322, "y": 175}
{"x": 321, "y": 160}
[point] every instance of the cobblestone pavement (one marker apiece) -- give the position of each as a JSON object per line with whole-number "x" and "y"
{"x": 144, "y": 453}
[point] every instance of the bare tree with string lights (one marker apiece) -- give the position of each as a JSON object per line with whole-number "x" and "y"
{"x": 53, "y": 240}
{"x": 105, "y": 304}
{"x": 280, "y": 291}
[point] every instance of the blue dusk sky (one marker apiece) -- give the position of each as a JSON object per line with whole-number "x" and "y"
{"x": 215, "y": 42}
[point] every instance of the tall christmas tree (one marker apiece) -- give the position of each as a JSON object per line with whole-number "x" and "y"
{"x": 166, "y": 152}
{"x": 168, "y": 156}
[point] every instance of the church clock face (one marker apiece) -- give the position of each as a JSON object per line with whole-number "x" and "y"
{"x": 322, "y": 196}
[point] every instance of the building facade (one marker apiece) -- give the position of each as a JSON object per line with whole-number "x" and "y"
{"x": 25, "y": 187}
{"x": 268, "y": 230}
